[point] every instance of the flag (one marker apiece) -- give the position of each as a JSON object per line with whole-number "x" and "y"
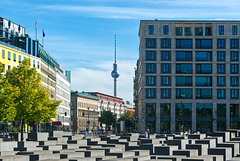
{"x": 36, "y": 25}
{"x": 43, "y": 33}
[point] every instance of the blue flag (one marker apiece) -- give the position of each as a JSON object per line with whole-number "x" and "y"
{"x": 43, "y": 34}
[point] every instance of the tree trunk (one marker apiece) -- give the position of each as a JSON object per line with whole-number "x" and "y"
{"x": 22, "y": 124}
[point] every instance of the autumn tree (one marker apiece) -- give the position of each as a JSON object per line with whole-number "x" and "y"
{"x": 107, "y": 118}
{"x": 32, "y": 103}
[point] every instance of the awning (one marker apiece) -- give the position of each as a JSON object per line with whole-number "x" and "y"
{"x": 57, "y": 122}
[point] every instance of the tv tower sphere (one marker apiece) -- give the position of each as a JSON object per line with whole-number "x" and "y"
{"x": 115, "y": 73}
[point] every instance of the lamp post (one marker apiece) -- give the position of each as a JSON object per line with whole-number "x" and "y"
{"x": 94, "y": 122}
{"x": 88, "y": 122}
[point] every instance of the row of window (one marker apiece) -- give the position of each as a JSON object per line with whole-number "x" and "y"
{"x": 187, "y": 93}
{"x": 19, "y": 58}
{"x": 188, "y": 30}
{"x": 188, "y": 56}
{"x": 203, "y": 81}
{"x": 188, "y": 68}
{"x": 187, "y": 43}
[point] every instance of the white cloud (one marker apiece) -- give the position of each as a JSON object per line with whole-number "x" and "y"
{"x": 100, "y": 80}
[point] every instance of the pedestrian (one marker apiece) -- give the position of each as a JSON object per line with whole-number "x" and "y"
{"x": 189, "y": 131}
{"x": 146, "y": 134}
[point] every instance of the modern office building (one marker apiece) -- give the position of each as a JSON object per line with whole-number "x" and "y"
{"x": 84, "y": 108}
{"x": 63, "y": 93}
{"x": 187, "y": 76}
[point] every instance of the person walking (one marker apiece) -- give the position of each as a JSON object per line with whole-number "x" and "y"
{"x": 146, "y": 134}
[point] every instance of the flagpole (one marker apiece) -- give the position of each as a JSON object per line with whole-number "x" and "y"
{"x": 43, "y": 40}
{"x": 36, "y": 30}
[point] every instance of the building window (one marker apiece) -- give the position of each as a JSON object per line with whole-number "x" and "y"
{"x": 234, "y": 30}
{"x": 203, "y": 56}
{"x": 165, "y": 93}
{"x": 221, "y": 94}
{"x": 183, "y": 81}
{"x": 221, "y": 81}
{"x": 203, "y": 68}
{"x": 221, "y": 56}
{"x": 198, "y": 31}
{"x": 184, "y": 43}
{"x": 234, "y": 43}
{"x": 183, "y": 114}
{"x": 234, "y": 81}
{"x": 203, "y": 44}
{"x": 165, "y": 68}
{"x": 150, "y": 29}
{"x": 234, "y": 68}
{"x": 14, "y": 57}
{"x": 183, "y": 93}
{"x": 221, "y": 117}
{"x": 234, "y": 56}
{"x": 221, "y": 44}
{"x": 234, "y": 93}
{"x": 166, "y": 43}
{"x": 208, "y": 31}
{"x": 150, "y": 43}
{"x": 203, "y": 81}
{"x": 150, "y": 80}
{"x": 150, "y": 55}
{"x": 33, "y": 63}
{"x": 220, "y": 68}
{"x": 9, "y": 55}
{"x": 183, "y": 56}
{"x": 165, "y": 80}
{"x": 166, "y": 55}
{"x": 178, "y": 31}
{"x": 150, "y": 68}
{"x": 203, "y": 93}
{"x": 19, "y": 58}
{"x": 204, "y": 110}
{"x": 9, "y": 67}
{"x": 38, "y": 65}
{"x": 165, "y": 110}
{"x": 184, "y": 68}
{"x": 221, "y": 30}
{"x": 165, "y": 29}
{"x": 150, "y": 110}
{"x": 3, "y": 54}
{"x": 188, "y": 31}
{"x": 150, "y": 93}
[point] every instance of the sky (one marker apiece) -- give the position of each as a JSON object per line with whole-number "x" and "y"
{"x": 80, "y": 33}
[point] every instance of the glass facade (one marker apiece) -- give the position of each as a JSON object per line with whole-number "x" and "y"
{"x": 183, "y": 56}
{"x": 221, "y": 117}
{"x": 203, "y": 93}
{"x": 203, "y": 56}
{"x": 203, "y": 44}
{"x": 184, "y": 43}
{"x": 183, "y": 81}
{"x": 203, "y": 81}
{"x": 183, "y": 114}
{"x": 234, "y": 116}
{"x": 203, "y": 69}
{"x": 184, "y": 68}
{"x": 183, "y": 93}
{"x": 151, "y": 117}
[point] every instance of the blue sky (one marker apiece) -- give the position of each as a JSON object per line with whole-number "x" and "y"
{"x": 80, "y": 33}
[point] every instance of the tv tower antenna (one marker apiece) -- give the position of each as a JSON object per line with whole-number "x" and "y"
{"x": 115, "y": 73}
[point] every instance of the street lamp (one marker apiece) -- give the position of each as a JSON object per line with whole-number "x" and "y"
{"x": 94, "y": 122}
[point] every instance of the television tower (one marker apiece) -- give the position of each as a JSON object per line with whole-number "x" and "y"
{"x": 115, "y": 73}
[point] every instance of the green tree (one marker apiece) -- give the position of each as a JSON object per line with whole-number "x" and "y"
{"x": 32, "y": 103}
{"x": 7, "y": 92}
{"x": 129, "y": 120}
{"x": 107, "y": 118}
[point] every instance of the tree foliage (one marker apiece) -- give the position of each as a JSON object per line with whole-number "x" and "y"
{"x": 107, "y": 118}
{"x": 32, "y": 102}
{"x": 129, "y": 120}
{"x": 7, "y": 92}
